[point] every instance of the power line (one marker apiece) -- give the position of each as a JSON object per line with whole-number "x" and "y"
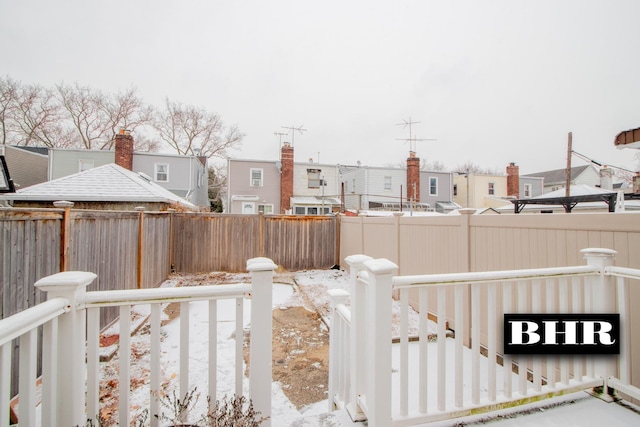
{"x": 590, "y": 160}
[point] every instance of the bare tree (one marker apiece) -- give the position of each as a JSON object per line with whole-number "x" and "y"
{"x": 8, "y": 94}
{"x": 194, "y": 131}
{"x": 37, "y": 118}
{"x": 88, "y": 120}
{"x": 127, "y": 111}
{"x": 471, "y": 167}
{"x": 432, "y": 166}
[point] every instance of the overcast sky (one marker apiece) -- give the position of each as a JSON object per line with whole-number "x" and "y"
{"x": 492, "y": 81}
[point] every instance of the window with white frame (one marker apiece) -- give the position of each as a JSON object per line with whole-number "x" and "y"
{"x": 161, "y": 172}
{"x": 527, "y": 190}
{"x": 85, "y": 164}
{"x": 265, "y": 208}
{"x": 492, "y": 188}
{"x": 387, "y": 183}
{"x": 256, "y": 177}
{"x": 315, "y": 180}
{"x": 433, "y": 186}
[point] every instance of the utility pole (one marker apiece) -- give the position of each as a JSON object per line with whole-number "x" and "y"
{"x": 567, "y": 190}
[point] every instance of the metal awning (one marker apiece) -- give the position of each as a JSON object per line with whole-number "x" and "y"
{"x": 570, "y": 202}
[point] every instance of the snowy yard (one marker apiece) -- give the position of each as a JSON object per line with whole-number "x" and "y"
{"x": 306, "y": 289}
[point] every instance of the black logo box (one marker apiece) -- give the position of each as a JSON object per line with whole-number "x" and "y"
{"x": 562, "y": 349}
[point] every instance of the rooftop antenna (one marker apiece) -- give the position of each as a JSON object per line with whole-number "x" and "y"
{"x": 280, "y": 135}
{"x": 412, "y": 139}
{"x": 293, "y": 130}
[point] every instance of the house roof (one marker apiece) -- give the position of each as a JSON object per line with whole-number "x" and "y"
{"x": 38, "y": 150}
{"x": 108, "y": 183}
{"x": 558, "y": 175}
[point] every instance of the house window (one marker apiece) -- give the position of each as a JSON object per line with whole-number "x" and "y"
{"x": 256, "y": 177}
{"x": 353, "y": 185}
{"x": 85, "y": 164}
{"x": 300, "y": 210}
{"x": 387, "y": 183}
{"x": 455, "y": 189}
{"x": 162, "y": 172}
{"x": 527, "y": 190}
{"x": 265, "y": 209}
{"x": 433, "y": 186}
{"x": 492, "y": 188}
{"x": 315, "y": 181}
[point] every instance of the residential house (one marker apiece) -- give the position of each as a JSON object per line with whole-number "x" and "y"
{"x": 253, "y": 186}
{"x": 185, "y": 176}
{"x": 474, "y": 190}
{"x": 379, "y": 188}
{"x": 282, "y": 186}
{"x": 109, "y": 187}
{"x": 316, "y": 188}
{"x": 556, "y": 179}
{"x": 27, "y": 165}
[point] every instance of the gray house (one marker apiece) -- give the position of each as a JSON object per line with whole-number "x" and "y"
{"x": 556, "y": 179}
{"x": 185, "y": 176}
{"x": 27, "y": 165}
{"x": 385, "y": 188}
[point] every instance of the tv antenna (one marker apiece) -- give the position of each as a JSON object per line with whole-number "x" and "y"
{"x": 293, "y": 130}
{"x": 412, "y": 139}
{"x": 280, "y": 135}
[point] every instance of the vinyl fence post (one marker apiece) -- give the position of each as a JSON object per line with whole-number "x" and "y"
{"x": 71, "y": 366}
{"x": 336, "y": 345}
{"x": 357, "y": 336}
{"x": 261, "y": 354}
{"x": 602, "y": 291}
{"x": 378, "y": 338}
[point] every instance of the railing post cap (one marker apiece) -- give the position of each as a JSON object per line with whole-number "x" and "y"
{"x": 72, "y": 279}
{"x": 63, "y": 204}
{"x": 261, "y": 264}
{"x": 380, "y": 266}
{"x": 356, "y": 259}
{"x": 466, "y": 211}
{"x": 598, "y": 252}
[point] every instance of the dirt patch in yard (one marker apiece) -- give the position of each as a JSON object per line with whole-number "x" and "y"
{"x": 300, "y": 355}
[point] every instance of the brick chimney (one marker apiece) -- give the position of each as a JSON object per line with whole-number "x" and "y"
{"x": 286, "y": 177}
{"x": 124, "y": 149}
{"x": 413, "y": 177}
{"x": 513, "y": 180}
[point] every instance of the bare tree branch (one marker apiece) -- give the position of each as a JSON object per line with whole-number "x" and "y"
{"x": 8, "y": 95}
{"x": 194, "y": 131}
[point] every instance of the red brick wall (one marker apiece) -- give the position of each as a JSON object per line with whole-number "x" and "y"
{"x": 413, "y": 176}
{"x": 124, "y": 151}
{"x": 513, "y": 180}
{"x": 286, "y": 178}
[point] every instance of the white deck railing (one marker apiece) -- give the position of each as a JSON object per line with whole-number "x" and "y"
{"x": 441, "y": 376}
{"x": 70, "y": 309}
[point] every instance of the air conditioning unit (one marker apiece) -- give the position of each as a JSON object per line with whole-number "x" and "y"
{"x": 255, "y": 182}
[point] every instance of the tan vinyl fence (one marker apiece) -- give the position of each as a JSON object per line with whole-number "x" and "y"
{"x": 473, "y": 243}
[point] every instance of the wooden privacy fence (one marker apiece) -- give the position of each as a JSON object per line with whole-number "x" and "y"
{"x": 213, "y": 242}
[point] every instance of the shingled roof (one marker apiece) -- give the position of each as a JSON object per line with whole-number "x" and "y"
{"x": 557, "y": 176}
{"x": 108, "y": 183}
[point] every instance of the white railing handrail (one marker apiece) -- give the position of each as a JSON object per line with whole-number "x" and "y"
{"x": 452, "y": 279}
{"x": 627, "y": 273}
{"x": 162, "y": 295}
{"x": 26, "y": 320}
